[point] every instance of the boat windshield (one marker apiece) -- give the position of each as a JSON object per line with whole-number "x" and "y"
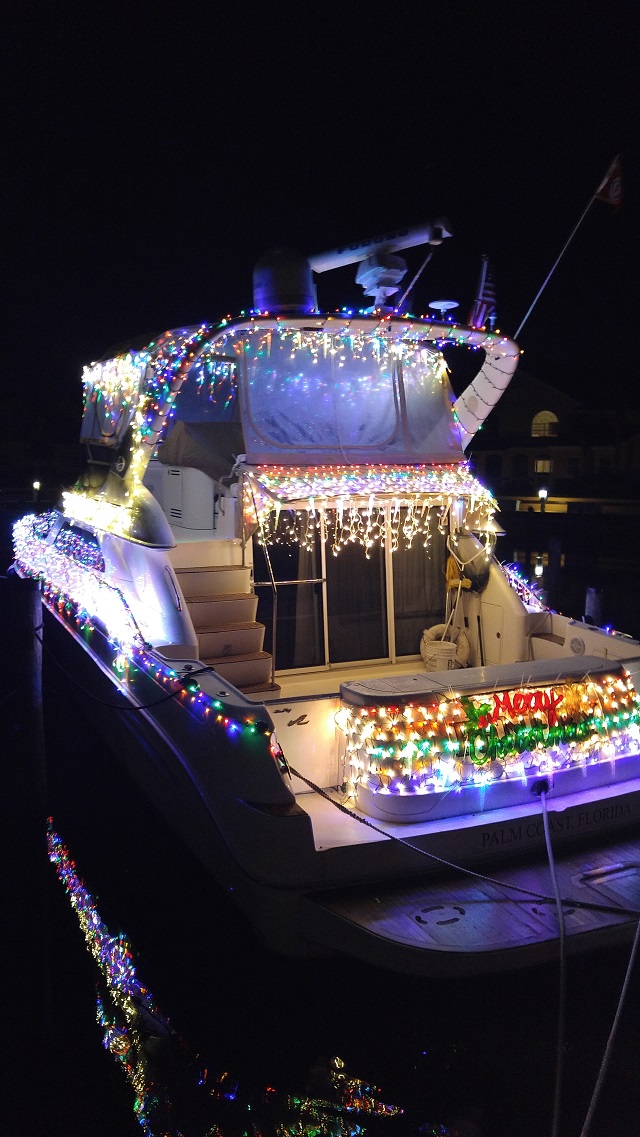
{"x": 362, "y": 392}
{"x": 115, "y": 389}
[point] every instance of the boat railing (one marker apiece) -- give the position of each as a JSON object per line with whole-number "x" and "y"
{"x": 274, "y": 584}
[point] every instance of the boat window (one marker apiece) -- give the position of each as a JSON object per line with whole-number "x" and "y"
{"x": 317, "y": 390}
{"x": 209, "y": 393}
{"x": 419, "y": 589}
{"x": 80, "y": 545}
{"x": 358, "y": 622}
{"x": 300, "y": 638}
{"x": 357, "y": 607}
{"x": 366, "y": 396}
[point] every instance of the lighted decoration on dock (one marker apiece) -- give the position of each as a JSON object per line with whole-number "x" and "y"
{"x": 464, "y": 740}
{"x": 363, "y": 505}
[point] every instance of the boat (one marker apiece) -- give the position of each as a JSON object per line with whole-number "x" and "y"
{"x": 275, "y": 586}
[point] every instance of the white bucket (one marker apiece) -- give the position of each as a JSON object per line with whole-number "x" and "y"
{"x": 439, "y": 655}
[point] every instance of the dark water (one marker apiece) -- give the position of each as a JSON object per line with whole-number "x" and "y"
{"x": 484, "y": 1046}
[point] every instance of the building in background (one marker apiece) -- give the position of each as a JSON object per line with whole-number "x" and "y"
{"x": 567, "y": 477}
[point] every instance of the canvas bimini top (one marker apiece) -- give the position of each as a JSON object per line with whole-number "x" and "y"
{"x": 310, "y": 390}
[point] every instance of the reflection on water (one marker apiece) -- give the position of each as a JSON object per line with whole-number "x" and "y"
{"x": 173, "y": 1089}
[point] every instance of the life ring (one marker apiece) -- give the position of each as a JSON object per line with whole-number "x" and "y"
{"x": 433, "y": 655}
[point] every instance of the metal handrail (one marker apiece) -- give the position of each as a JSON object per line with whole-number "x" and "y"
{"x": 307, "y": 580}
{"x": 274, "y": 587}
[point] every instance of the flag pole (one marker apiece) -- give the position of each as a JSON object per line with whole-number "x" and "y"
{"x": 565, "y": 247}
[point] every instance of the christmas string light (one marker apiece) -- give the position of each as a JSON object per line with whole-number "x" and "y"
{"x": 367, "y": 336}
{"x": 214, "y": 378}
{"x": 523, "y": 588}
{"x": 86, "y": 603}
{"x": 68, "y": 580}
{"x": 363, "y": 504}
{"x": 98, "y": 512}
{"x": 137, "y": 389}
{"x": 80, "y": 547}
{"x": 112, "y": 389}
{"x": 473, "y": 740}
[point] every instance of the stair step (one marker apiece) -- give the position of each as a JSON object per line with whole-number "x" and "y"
{"x": 242, "y": 670}
{"x": 230, "y": 639}
{"x": 257, "y": 691}
{"x": 214, "y": 580}
{"x": 211, "y": 611}
{"x": 209, "y": 551}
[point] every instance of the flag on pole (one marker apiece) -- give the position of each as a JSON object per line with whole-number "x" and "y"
{"x": 610, "y": 188}
{"x": 483, "y": 312}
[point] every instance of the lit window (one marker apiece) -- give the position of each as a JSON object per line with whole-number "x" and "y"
{"x": 544, "y": 425}
{"x": 544, "y": 466}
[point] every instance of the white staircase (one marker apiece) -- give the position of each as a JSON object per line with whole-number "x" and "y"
{"x": 223, "y": 608}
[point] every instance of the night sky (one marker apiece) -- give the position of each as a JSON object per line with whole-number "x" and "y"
{"x": 152, "y": 153}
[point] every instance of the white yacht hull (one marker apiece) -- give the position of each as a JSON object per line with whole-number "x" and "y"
{"x": 388, "y": 897}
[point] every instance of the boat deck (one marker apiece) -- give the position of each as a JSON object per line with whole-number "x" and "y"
{"x": 322, "y": 683}
{"x": 406, "y": 680}
{"x": 463, "y": 926}
{"x": 334, "y": 828}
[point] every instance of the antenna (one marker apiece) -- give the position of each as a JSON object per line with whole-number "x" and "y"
{"x": 431, "y": 233}
{"x": 443, "y": 306}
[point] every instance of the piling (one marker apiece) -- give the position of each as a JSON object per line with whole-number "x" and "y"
{"x": 25, "y": 872}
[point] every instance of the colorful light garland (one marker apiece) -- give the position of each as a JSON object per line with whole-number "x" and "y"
{"x": 523, "y": 588}
{"x": 362, "y": 505}
{"x": 80, "y": 597}
{"x": 473, "y": 740}
{"x": 367, "y": 338}
{"x": 173, "y": 356}
{"x": 112, "y": 389}
{"x": 149, "y": 383}
{"x": 214, "y": 378}
{"x": 71, "y": 581}
{"x": 80, "y": 547}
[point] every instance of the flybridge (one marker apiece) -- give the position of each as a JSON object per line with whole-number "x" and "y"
{"x": 310, "y": 388}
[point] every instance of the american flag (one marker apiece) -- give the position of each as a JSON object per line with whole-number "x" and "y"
{"x": 483, "y": 312}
